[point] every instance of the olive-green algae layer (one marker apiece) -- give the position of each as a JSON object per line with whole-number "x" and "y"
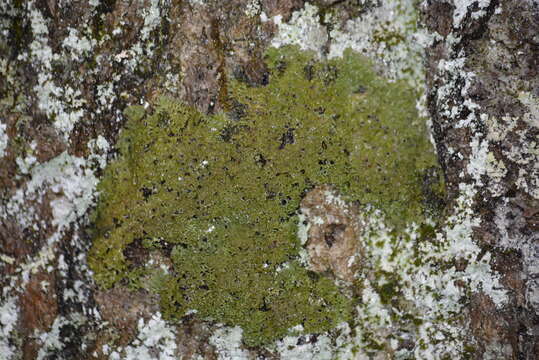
{"x": 219, "y": 194}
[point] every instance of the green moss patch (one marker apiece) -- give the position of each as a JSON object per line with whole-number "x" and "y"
{"x": 218, "y": 195}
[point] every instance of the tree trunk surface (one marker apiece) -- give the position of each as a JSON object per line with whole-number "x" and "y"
{"x": 477, "y": 110}
{"x": 69, "y": 70}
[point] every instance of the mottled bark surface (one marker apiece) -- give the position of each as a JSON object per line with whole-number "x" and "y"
{"x": 57, "y": 94}
{"x": 181, "y": 48}
{"x": 481, "y": 67}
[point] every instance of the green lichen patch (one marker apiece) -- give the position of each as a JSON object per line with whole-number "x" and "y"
{"x": 218, "y": 195}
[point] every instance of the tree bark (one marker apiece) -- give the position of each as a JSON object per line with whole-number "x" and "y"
{"x": 479, "y": 71}
{"x": 69, "y": 70}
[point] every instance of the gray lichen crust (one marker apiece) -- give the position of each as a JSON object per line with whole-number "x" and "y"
{"x": 482, "y": 75}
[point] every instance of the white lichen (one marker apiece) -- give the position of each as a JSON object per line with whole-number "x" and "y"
{"x": 228, "y": 343}
{"x": 303, "y": 228}
{"x": 431, "y": 295}
{"x": 388, "y": 34}
{"x": 197, "y": 2}
{"x": 67, "y": 178}
{"x": 99, "y": 148}
{"x": 77, "y": 45}
{"x": 64, "y": 104}
{"x": 532, "y": 103}
{"x": 51, "y": 340}
{"x": 4, "y": 138}
{"x": 152, "y": 19}
{"x": 464, "y": 7}
{"x": 8, "y": 320}
{"x": 105, "y": 96}
{"x": 330, "y": 345}
{"x": 25, "y": 164}
{"x": 253, "y": 8}
{"x": 156, "y": 340}
{"x": 303, "y": 29}
{"x": 55, "y": 339}
{"x": 70, "y": 183}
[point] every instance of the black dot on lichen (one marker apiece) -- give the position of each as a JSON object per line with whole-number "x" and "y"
{"x": 220, "y": 192}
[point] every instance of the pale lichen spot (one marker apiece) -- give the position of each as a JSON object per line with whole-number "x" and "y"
{"x": 4, "y": 139}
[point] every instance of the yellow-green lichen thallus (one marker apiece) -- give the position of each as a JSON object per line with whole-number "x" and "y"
{"x": 218, "y": 195}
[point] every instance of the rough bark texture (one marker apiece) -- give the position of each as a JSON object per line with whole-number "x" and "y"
{"x": 184, "y": 49}
{"x": 499, "y": 51}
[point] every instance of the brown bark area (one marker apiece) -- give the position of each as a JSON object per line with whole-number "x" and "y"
{"x": 502, "y": 49}
{"x": 332, "y": 241}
